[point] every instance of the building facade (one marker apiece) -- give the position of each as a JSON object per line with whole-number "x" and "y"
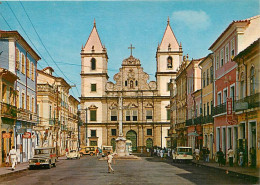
{"x": 236, "y": 37}
{"x": 207, "y": 103}
{"x": 19, "y": 58}
{"x": 247, "y": 104}
{"x": 146, "y": 105}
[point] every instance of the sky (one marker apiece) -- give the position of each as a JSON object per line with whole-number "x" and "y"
{"x": 62, "y": 27}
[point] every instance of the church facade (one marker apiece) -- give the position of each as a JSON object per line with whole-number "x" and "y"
{"x": 146, "y": 104}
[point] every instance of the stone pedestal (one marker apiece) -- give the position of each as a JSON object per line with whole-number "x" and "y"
{"x": 121, "y": 147}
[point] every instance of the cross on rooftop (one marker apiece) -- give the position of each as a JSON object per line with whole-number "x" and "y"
{"x": 131, "y": 47}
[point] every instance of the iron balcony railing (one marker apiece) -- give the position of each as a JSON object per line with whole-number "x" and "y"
{"x": 188, "y": 122}
{"x": 219, "y": 109}
{"x": 8, "y": 111}
{"x": 248, "y": 102}
{"x": 207, "y": 119}
{"x": 198, "y": 120}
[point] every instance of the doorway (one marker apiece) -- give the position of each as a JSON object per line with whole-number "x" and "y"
{"x": 132, "y": 136}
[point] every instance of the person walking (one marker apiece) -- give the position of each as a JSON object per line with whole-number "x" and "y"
{"x": 197, "y": 154}
{"x": 220, "y": 156}
{"x": 241, "y": 161}
{"x": 97, "y": 152}
{"x": 109, "y": 162}
{"x": 230, "y": 154}
{"x": 13, "y": 156}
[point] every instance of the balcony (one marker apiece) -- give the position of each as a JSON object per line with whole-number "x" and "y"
{"x": 188, "y": 122}
{"x": 8, "y": 111}
{"x": 222, "y": 108}
{"x": 198, "y": 120}
{"x": 248, "y": 102}
{"x": 207, "y": 119}
{"x": 25, "y": 115}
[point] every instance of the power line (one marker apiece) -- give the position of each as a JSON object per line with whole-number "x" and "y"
{"x": 6, "y": 22}
{"x": 30, "y": 39}
{"x": 45, "y": 47}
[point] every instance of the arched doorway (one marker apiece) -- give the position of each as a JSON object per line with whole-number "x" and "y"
{"x": 113, "y": 143}
{"x": 131, "y": 135}
{"x": 149, "y": 143}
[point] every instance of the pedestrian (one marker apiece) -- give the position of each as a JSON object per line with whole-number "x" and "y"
{"x": 220, "y": 156}
{"x": 241, "y": 161}
{"x": 207, "y": 155}
{"x": 169, "y": 152}
{"x": 7, "y": 160}
{"x": 97, "y": 152}
{"x": 161, "y": 153}
{"x": 197, "y": 154}
{"x": 13, "y": 156}
{"x": 109, "y": 162}
{"x": 230, "y": 154}
{"x": 154, "y": 151}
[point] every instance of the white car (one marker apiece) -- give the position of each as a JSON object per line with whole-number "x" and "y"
{"x": 73, "y": 154}
{"x": 182, "y": 154}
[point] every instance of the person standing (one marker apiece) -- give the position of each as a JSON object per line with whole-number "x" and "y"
{"x": 241, "y": 158}
{"x": 207, "y": 155}
{"x": 13, "y": 156}
{"x": 97, "y": 152}
{"x": 220, "y": 156}
{"x": 230, "y": 154}
{"x": 109, "y": 162}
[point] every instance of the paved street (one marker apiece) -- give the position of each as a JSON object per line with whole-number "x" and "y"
{"x": 89, "y": 170}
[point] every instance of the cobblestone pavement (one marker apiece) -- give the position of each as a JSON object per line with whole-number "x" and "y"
{"x": 89, "y": 170}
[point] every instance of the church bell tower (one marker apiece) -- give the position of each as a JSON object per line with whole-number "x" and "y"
{"x": 168, "y": 57}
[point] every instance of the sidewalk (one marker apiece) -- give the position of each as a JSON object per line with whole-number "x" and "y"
{"x": 8, "y": 170}
{"x": 20, "y": 167}
{"x": 246, "y": 171}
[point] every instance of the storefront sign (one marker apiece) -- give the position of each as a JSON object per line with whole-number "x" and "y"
{"x": 27, "y": 135}
{"x": 6, "y": 135}
{"x": 229, "y": 106}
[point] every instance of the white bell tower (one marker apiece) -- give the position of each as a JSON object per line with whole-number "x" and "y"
{"x": 168, "y": 57}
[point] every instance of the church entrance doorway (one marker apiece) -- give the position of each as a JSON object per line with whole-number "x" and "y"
{"x": 132, "y": 136}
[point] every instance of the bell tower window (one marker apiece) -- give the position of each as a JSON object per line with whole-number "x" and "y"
{"x": 169, "y": 62}
{"x": 93, "y": 63}
{"x": 131, "y": 84}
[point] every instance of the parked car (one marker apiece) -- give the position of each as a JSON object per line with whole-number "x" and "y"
{"x": 73, "y": 154}
{"x": 182, "y": 154}
{"x": 88, "y": 150}
{"x": 106, "y": 149}
{"x": 45, "y": 157}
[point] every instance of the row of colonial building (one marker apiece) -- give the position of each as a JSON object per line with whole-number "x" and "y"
{"x": 36, "y": 108}
{"x": 215, "y": 99}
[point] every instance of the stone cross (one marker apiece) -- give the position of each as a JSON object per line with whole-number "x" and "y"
{"x": 131, "y": 49}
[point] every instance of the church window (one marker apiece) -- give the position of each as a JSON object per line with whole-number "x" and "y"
{"x": 136, "y": 83}
{"x": 169, "y": 62}
{"x": 168, "y": 114}
{"x": 131, "y": 84}
{"x": 127, "y": 115}
{"x": 93, "y": 115}
{"x": 149, "y": 114}
{"x": 252, "y": 80}
{"x": 125, "y": 83}
{"x": 113, "y": 131}
{"x": 114, "y": 115}
{"x": 134, "y": 115}
{"x": 93, "y": 87}
{"x": 149, "y": 132}
{"x": 93, "y": 64}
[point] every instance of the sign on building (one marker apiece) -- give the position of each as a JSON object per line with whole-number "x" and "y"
{"x": 27, "y": 135}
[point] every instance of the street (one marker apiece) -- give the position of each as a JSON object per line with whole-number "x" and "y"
{"x": 89, "y": 170}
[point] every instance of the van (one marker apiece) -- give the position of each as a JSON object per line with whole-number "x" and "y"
{"x": 182, "y": 154}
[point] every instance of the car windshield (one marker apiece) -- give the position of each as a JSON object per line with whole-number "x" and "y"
{"x": 106, "y": 148}
{"x": 42, "y": 151}
{"x": 90, "y": 149}
{"x": 185, "y": 151}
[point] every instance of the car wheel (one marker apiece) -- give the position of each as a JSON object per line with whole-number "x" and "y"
{"x": 91, "y": 154}
{"x": 31, "y": 167}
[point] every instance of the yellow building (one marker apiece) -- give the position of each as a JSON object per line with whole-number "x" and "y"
{"x": 207, "y": 102}
{"x": 247, "y": 105}
{"x": 181, "y": 103}
{"x": 8, "y": 112}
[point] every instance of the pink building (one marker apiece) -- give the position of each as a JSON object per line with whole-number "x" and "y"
{"x": 236, "y": 37}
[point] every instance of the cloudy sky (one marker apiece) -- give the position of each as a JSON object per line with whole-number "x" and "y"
{"x": 63, "y": 27}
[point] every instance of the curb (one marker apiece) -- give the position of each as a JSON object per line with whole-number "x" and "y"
{"x": 13, "y": 172}
{"x": 251, "y": 177}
